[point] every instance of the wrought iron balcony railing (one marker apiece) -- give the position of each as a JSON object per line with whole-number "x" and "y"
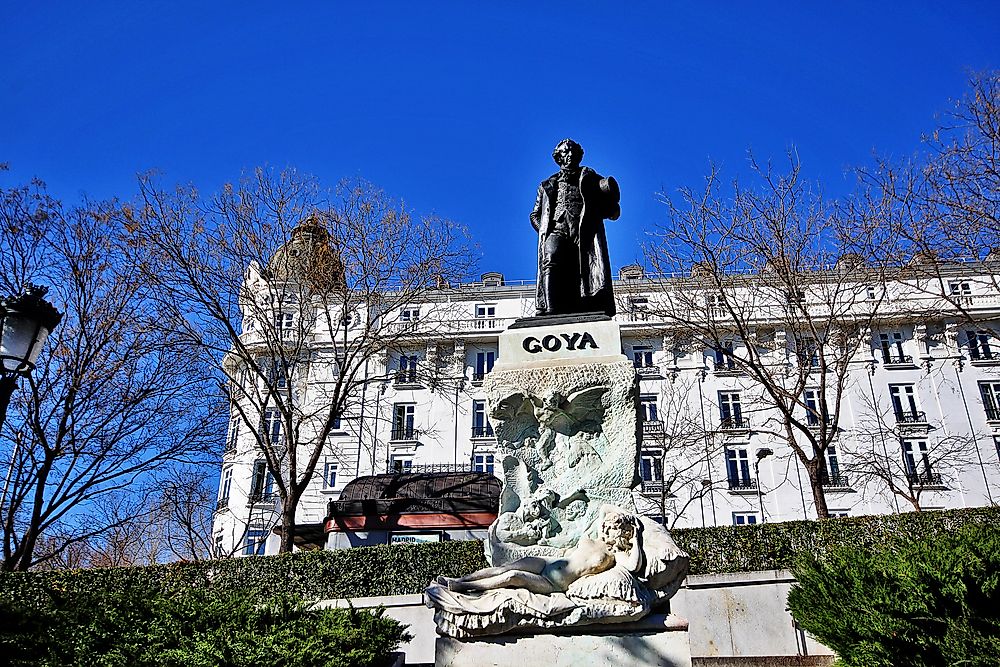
{"x": 652, "y": 426}
{"x": 898, "y": 359}
{"x": 482, "y": 431}
{"x": 438, "y": 467}
{"x": 734, "y": 423}
{"x": 647, "y": 371}
{"x": 836, "y": 482}
{"x": 268, "y": 497}
{"x": 725, "y": 366}
{"x": 221, "y": 504}
{"x": 478, "y": 377}
{"x": 911, "y": 417}
{"x": 406, "y": 377}
{"x": 741, "y": 484}
{"x": 653, "y": 486}
{"x": 404, "y": 434}
{"x": 926, "y": 478}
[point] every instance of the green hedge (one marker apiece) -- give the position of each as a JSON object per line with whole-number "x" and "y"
{"x": 402, "y": 569}
{"x": 920, "y": 600}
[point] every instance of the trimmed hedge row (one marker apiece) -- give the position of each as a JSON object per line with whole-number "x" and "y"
{"x": 403, "y": 569}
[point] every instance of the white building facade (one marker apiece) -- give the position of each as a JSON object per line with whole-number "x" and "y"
{"x": 921, "y": 413}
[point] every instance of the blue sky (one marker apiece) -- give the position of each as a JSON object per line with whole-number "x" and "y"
{"x": 455, "y": 107}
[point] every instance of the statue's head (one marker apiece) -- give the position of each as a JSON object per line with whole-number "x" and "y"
{"x": 617, "y": 531}
{"x": 568, "y": 153}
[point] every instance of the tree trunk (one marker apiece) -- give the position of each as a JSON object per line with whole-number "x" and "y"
{"x": 817, "y": 474}
{"x": 288, "y": 523}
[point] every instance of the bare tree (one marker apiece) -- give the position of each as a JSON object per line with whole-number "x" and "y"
{"x": 300, "y": 296}
{"x": 944, "y": 203}
{"x": 111, "y": 404}
{"x": 778, "y": 284}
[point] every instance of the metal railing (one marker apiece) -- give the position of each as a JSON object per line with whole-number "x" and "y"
{"x": 647, "y": 371}
{"x": 262, "y": 497}
{"x": 835, "y": 481}
{"x": 727, "y": 366}
{"x": 408, "y": 376}
{"x": 478, "y": 377}
{"x": 403, "y": 434}
{"x": 652, "y": 486}
{"x": 221, "y": 504}
{"x": 926, "y": 478}
{"x": 911, "y": 417}
{"x": 898, "y": 359}
{"x": 740, "y": 484}
{"x": 734, "y": 423}
{"x": 482, "y": 431}
{"x": 652, "y": 426}
{"x": 437, "y": 467}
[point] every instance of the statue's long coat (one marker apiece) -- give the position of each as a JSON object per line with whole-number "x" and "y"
{"x": 596, "y": 293}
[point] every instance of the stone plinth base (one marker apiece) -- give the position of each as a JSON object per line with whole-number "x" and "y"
{"x": 655, "y": 640}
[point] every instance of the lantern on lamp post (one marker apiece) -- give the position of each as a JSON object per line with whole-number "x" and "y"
{"x": 25, "y": 323}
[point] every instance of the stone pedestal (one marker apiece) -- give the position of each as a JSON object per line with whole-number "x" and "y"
{"x": 655, "y": 640}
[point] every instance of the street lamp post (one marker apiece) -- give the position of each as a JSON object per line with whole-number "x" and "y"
{"x": 25, "y": 322}
{"x": 762, "y": 454}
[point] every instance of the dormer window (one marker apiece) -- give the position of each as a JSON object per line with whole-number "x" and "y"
{"x": 409, "y": 314}
{"x": 959, "y": 288}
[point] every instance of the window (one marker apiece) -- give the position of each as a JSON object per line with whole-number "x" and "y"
{"x": 402, "y": 421}
{"x": 283, "y": 321}
{"x": 730, "y": 410}
{"x": 991, "y": 399}
{"x": 816, "y": 407}
{"x": 279, "y": 372}
{"x": 839, "y": 514}
{"x": 348, "y": 320}
{"x": 891, "y": 344}
{"x": 225, "y": 485}
{"x": 738, "y": 468}
{"x": 833, "y": 476}
{"x": 638, "y": 307}
{"x": 407, "y": 371}
{"x": 716, "y": 305}
{"x": 996, "y": 443}
{"x": 337, "y": 423}
{"x": 918, "y": 463}
{"x": 904, "y": 404}
{"x": 409, "y": 314}
{"x": 400, "y": 463}
{"x": 271, "y": 427}
{"x": 744, "y": 518}
{"x": 870, "y": 293}
{"x": 724, "y": 357}
{"x": 219, "y": 551}
{"x": 959, "y": 288}
{"x": 481, "y": 427}
{"x": 647, "y": 409}
{"x": 234, "y": 434}
{"x": 485, "y": 316}
{"x": 650, "y": 466}
{"x": 807, "y": 351}
{"x": 483, "y": 463}
{"x": 255, "y": 542}
{"x": 262, "y": 484}
{"x": 796, "y": 296}
{"x": 979, "y": 345}
{"x": 330, "y": 475}
{"x": 642, "y": 356}
{"x": 484, "y": 364}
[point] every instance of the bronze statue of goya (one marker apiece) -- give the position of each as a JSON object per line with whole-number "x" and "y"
{"x": 574, "y": 272}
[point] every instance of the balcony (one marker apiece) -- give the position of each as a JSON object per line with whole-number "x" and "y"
{"x": 739, "y": 484}
{"x": 652, "y": 427}
{"x": 734, "y": 424}
{"x": 221, "y": 504}
{"x": 406, "y": 378}
{"x": 437, "y": 467}
{"x": 648, "y": 371}
{"x": 480, "y": 432}
{"x": 897, "y": 359}
{"x": 911, "y": 417}
{"x": 654, "y": 486}
{"x": 726, "y": 367}
{"x": 984, "y": 357}
{"x": 926, "y": 478}
{"x": 404, "y": 435}
{"x": 477, "y": 378}
{"x": 836, "y": 482}
{"x": 258, "y": 498}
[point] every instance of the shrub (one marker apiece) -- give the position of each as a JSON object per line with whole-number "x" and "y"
{"x": 143, "y": 627}
{"x": 915, "y": 599}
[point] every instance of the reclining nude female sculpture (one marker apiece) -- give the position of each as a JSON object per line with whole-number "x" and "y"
{"x": 617, "y": 544}
{"x": 619, "y": 570}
